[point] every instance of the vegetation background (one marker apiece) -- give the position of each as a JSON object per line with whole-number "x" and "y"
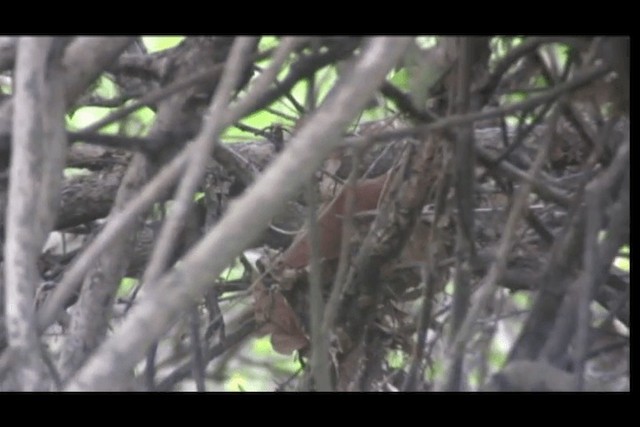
{"x": 468, "y": 200}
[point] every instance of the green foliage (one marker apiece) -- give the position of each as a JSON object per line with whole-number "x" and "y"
{"x": 127, "y": 285}
{"x": 497, "y": 357}
{"x": 139, "y": 122}
{"x": 522, "y": 300}
{"x": 560, "y": 52}
{"x": 397, "y": 359}
{"x": 85, "y": 116}
{"x": 158, "y": 43}
{"x": 448, "y": 288}
{"x": 262, "y": 347}
{"x": 401, "y": 79}
{"x": 623, "y": 262}
{"x": 434, "y": 371}
{"x": 234, "y": 272}
{"x": 242, "y": 382}
{"x": 105, "y": 88}
{"x": 71, "y": 172}
{"x": 501, "y": 45}
{"x": 268, "y": 42}
{"x": 5, "y": 88}
{"x": 257, "y": 378}
{"x": 474, "y": 379}
{"x": 136, "y": 124}
{"x": 426, "y": 42}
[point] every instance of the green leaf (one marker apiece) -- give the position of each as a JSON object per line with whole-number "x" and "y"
{"x": 71, "y": 172}
{"x": 397, "y": 359}
{"x": 474, "y": 379}
{"x": 426, "y": 42}
{"x": 106, "y": 88}
{"x": 234, "y": 272}
{"x": 497, "y": 357}
{"x": 139, "y": 123}
{"x": 522, "y": 300}
{"x": 401, "y": 79}
{"x": 237, "y": 382}
{"x": 127, "y": 284}
{"x": 262, "y": 346}
{"x": 84, "y": 116}
{"x": 155, "y": 44}
{"x": 622, "y": 263}
{"x": 435, "y": 371}
{"x": 268, "y": 42}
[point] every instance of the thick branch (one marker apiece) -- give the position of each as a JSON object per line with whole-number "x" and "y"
{"x": 242, "y": 223}
{"x": 39, "y": 139}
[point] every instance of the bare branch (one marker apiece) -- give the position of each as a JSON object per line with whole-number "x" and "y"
{"x": 38, "y": 139}
{"x": 494, "y": 276}
{"x": 201, "y": 148}
{"x": 86, "y": 58}
{"x": 464, "y": 182}
{"x": 242, "y": 223}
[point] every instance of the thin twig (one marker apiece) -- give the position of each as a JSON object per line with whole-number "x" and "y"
{"x": 198, "y": 158}
{"x": 243, "y": 222}
{"x": 490, "y": 281}
{"x": 431, "y": 278}
{"x": 580, "y": 79}
{"x": 73, "y": 276}
{"x": 231, "y": 340}
{"x": 149, "y": 194}
{"x": 340, "y": 279}
{"x": 165, "y": 92}
{"x": 319, "y": 341}
{"x": 464, "y": 182}
{"x": 525, "y": 48}
{"x": 150, "y": 367}
{"x": 197, "y": 362}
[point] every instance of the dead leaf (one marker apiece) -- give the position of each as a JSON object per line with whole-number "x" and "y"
{"x": 367, "y": 195}
{"x": 278, "y": 318}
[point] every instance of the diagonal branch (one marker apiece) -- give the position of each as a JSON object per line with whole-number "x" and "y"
{"x": 199, "y": 155}
{"x": 108, "y": 368}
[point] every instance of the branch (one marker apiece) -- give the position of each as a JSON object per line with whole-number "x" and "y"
{"x": 229, "y": 341}
{"x": 90, "y": 318}
{"x": 39, "y": 139}
{"x": 463, "y": 184}
{"x": 84, "y": 60}
{"x": 525, "y": 48}
{"x": 494, "y": 276}
{"x": 108, "y": 368}
{"x": 579, "y": 80}
{"x": 198, "y": 158}
{"x": 7, "y": 52}
{"x": 597, "y": 196}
